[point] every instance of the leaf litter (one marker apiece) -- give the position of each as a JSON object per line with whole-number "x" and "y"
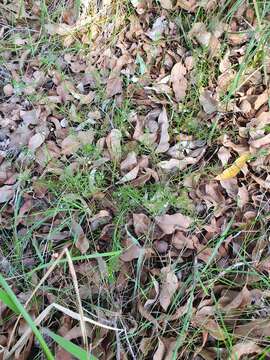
{"x": 140, "y": 141}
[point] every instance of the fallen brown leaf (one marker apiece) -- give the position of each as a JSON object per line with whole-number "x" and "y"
{"x": 166, "y": 4}
{"x": 141, "y": 224}
{"x": 237, "y": 301}
{"x": 101, "y": 218}
{"x": 224, "y": 155}
{"x": 173, "y": 165}
{"x": 131, "y": 175}
{"x": 132, "y": 252}
{"x": 200, "y": 33}
{"x": 36, "y": 141}
{"x": 6, "y": 193}
{"x": 254, "y": 329}
{"x": 242, "y": 196}
{"x": 244, "y": 348}
{"x": 263, "y": 141}
{"x": 81, "y": 241}
{"x": 170, "y": 223}
{"x": 261, "y": 99}
{"x": 169, "y": 286}
{"x": 158, "y": 29}
{"x": 70, "y": 145}
{"x": 159, "y": 353}
{"x": 130, "y": 162}
{"x": 179, "y": 82}
{"x": 163, "y": 145}
{"x": 209, "y": 104}
{"x": 113, "y": 141}
{"x": 188, "y": 5}
{"x": 114, "y": 86}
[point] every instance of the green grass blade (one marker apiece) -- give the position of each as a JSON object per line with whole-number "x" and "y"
{"x": 8, "y": 302}
{"x": 70, "y": 347}
{"x": 26, "y": 317}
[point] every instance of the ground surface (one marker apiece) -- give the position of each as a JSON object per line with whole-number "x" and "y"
{"x": 134, "y": 149}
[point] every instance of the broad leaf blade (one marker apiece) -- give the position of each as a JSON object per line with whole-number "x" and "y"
{"x": 70, "y": 347}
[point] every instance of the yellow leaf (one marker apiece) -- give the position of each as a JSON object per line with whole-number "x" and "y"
{"x": 235, "y": 168}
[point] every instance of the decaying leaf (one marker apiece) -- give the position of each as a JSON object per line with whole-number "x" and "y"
{"x": 244, "y": 348}
{"x": 81, "y": 241}
{"x": 132, "y": 252}
{"x": 224, "y": 155}
{"x": 101, "y": 218}
{"x": 163, "y": 145}
{"x": 131, "y": 175}
{"x": 263, "y": 141}
{"x": 70, "y": 145}
{"x": 173, "y": 165}
{"x": 170, "y": 223}
{"x": 141, "y": 223}
{"x": 209, "y": 104}
{"x": 261, "y": 99}
{"x": 168, "y": 287}
{"x": 130, "y": 162}
{"x": 159, "y": 353}
{"x": 113, "y": 141}
{"x": 200, "y": 33}
{"x": 254, "y": 329}
{"x": 243, "y": 196}
{"x": 179, "y": 82}
{"x": 166, "y": 4}
{"x": 36, "y": 141}
{"x": 158, "y": 29}
{"x": 6, "y": 193}
{"x": 188, "y": 5}
{"x": 114, "y": 86}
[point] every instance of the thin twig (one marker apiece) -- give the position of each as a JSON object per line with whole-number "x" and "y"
{"x": 76, "y": 287}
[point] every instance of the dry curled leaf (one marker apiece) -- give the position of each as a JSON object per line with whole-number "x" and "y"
{"x": 188, "y": 5}
{"x": 254, "y": 329}
{"x": 200, "y": 33}
{"x": 101, "y": 218}
{"x": 261, "y": 99}
{"x": 129, "y": 163}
